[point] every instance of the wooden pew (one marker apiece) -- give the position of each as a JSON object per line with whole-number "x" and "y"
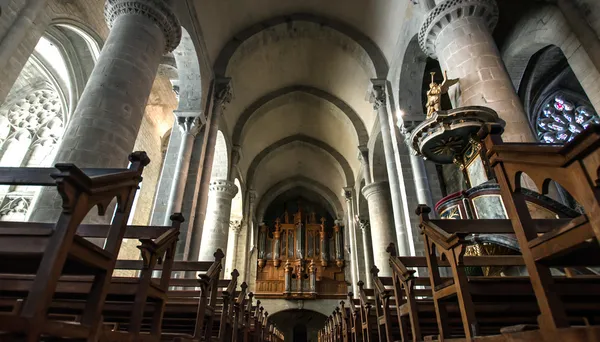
{"x": 48, "y": 254}
{"x": 414, "y": 307}
{"x": 346, "y": 317}
{"x": 386, "y": 304}
{"x": 575, "y": 166}
{"x": 487, "y": 304}
{"x": 131, "y": 294}
{"x": 354, "y": 316}
{"x": 239, "y": 314}
{"x": 191, "y": 302}
{"x": 368, "y": 318}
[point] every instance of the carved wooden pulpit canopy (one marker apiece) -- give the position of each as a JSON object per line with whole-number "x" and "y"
{"x": 301, "y": 258}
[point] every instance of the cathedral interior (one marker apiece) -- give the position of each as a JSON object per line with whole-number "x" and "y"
{"x": 309, "y": 170}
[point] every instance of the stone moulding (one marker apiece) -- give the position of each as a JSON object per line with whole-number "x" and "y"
{"x": 375, "y": 187}
{"x": 224, "y": 188}
{"x": 451, "y": 10}
{"x": 156, "y": 10}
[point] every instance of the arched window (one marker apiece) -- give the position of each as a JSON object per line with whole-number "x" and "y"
{"x": 36, "y": 111}
{"x": 562, "y": 117}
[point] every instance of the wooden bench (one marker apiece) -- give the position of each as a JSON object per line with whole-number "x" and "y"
{"x": 49, "y": 254}
{"x": 131, "y": 294}
{"x": 575, "y": 166}
{"x": 487, "y": 304}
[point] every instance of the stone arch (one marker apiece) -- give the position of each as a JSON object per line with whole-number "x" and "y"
{"x": 307, "y": 320}
{"x": 539, "y": 28}
{"x": 413, "y": 67}
{"x": 376, "y": 55}
{"x": 79, "y": 48}
{"x": 306, "y": 139}
{"x": 299, "y": 181}
{"x": 247, "y": 114}
{"x": 220, "y": 165}
{"x": 190, "y": 80}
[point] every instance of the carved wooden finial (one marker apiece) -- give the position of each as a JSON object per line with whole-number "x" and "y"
{"x": 235, "y": 274}
{"x": 219, "y": 255}
{"x": 374, "y": 271}
{"x": 391, "y": 248}
{"x": 423, "y": 210}
{"x": 177, "y": 217}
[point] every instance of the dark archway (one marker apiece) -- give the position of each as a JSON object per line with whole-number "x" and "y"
{"x": 299, "y": 324}
{"x": 300, "y": 333}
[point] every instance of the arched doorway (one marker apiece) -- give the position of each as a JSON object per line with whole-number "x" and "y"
{"x": 299, "y": 325}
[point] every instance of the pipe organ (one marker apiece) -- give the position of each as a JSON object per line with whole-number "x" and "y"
{"x": 301, "y": 258}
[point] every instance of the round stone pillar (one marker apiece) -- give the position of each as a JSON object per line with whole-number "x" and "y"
{"x": 215, "y": 233}
{"x": 105, "y": 124}
{"x": 188, "y": 127}
{"x": 351, "y": 229}
{"x": 368, "y": 249}
{"x": 382, "y": 228}
{"x": 459, "y": 34}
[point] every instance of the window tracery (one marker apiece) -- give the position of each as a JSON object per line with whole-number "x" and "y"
{"x": 563, "y": 117}
{"x": 30, "y": 130}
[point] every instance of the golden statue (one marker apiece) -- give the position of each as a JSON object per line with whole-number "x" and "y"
{"x": 434, "y": 94}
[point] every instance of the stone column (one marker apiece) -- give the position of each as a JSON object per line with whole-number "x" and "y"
{"x": 105, "y": 124}
{"x": 235, "y": 227}
{"x": 380, "y": 105}
{"x": 381, "y": 218}
{"x": 188, "y": 127}
{"x": 250, "y": 259}
{"x": 368, "y": 248}
{"x": 352, "y": 234}
{"x": 459, "y": 34}
{"x": 216, "y": 226}
{"x": 222, "y": 96}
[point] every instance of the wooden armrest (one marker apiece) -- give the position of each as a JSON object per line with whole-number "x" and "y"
{"x": 160, "y": 245}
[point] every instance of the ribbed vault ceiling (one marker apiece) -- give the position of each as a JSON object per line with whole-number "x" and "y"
{"x": 300, "y": 72}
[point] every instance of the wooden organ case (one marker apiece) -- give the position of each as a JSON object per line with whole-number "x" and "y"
{"x": 301, "y": 259}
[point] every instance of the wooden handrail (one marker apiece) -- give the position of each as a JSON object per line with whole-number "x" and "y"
{"x": 40, "y": 176}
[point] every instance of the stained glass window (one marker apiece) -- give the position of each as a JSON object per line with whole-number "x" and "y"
{"x": 562, "y": 118}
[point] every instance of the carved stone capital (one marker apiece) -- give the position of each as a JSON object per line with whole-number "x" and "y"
{"x": 364, "y": 224}
{"x": 223, "y": 93}
{"x": 451, "y": 10}
{"x": 252, "y": 195}
{"x": 158, "y": 11}
{"x": 223, "y": 188}
{"x": 188, "y": 124}
{"x": 363, "y": 155}
{"x": 235, "y": 226}
{"x": 347, "y": 192}
{"x": 378, "y": 96}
